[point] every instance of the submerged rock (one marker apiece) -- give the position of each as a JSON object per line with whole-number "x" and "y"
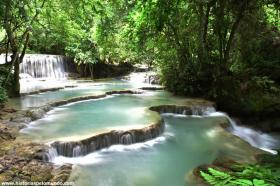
{"x": 61, "y": 173}
{"x": 37, "y": 113}
{"x": 7, "y": 132}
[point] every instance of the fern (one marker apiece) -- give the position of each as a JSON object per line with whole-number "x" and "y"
{"x": 209, "y": 178}
{"x": 218, "y": 174}
{"x": 246, "y": 177}
{"x": 257, "y": 182}
{"x": 242, "y": 182}
{"x": 216, "y": 177}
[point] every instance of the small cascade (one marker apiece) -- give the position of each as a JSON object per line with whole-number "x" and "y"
{"x": 143, "y": 78}
{"x": 50, "y": 154}
{"x": 201, "y": 110}
{"x": 77, "y": 151}
{"x": 44, "y": 66}
{"x": 198, "y": 110}
{"x": 152, "y": 78}
{"x": 104, "y": 140}
{"x": 127, "y": 139}
{"x": 255, "y": 138}
{"x": 137, "y": 79}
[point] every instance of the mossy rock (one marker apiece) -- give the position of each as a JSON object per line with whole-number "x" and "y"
{"x": 268, "y": 159}
{"x": 62, "y": 173}
{"x": 6, "y": 176}
{"x": 42, "y": 176}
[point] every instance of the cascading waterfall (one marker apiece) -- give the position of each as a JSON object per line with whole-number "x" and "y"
{"x": 37, "y": 67}
{"x": 143, "y": 78}
{"x": 52, "y": 69}
{"x": 198, "y": 110}
{"x": 255, "y": 138}
{"x": 104, "y": 140}
{"x": 44, "y": 66}
{"x": 50, "y": 154}
{"x": 127, "y": 139}
{"x": 202, "y": 110}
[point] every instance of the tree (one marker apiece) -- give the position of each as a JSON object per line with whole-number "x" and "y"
{"x": 19, "y": 17}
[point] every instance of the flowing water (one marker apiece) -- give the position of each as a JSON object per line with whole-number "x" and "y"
{"x": 164, "y": 161}
{"x": 167, "y": 160}
{"x": 42, "y": 71}
{"x": 188, "y": 141}
{"x": 44, "y": 66}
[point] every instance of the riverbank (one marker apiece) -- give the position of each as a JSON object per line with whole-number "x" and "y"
{"x": 21, "y": 160}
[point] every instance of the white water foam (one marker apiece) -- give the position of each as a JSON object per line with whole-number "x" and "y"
{"x": 255, "y": 138}
{"x": 88, "y": 100}
{"x": 99, "y": 156}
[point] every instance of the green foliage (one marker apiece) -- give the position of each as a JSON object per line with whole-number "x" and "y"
{"x": 216, "y": 177}
{"x": 227, "y": 51}
{"x": 242, "y": 175}
{"x": 3, "y": 95}
{"x": 5, "y": 82}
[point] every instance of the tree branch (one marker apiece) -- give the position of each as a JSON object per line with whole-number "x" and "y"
{"x": 234, "y": 29}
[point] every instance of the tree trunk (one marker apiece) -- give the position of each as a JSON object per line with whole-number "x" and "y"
{"x": 16, "y": 83}
{"x": 234, "y": 29}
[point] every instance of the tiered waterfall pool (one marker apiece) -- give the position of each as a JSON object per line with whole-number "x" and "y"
{"x": 187, "y": 141}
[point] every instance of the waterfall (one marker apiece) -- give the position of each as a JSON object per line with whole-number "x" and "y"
{"x": 104, "y": 140}
{"x": 44, "y": 66}
{"x": 197, "y": 110}
{"x": 50, "y": 154}
{"x": 143, "y": 78}
{"x": 127, "y": 139}
{"x": 77, "y": 151}
{"x": 255, "y": 138}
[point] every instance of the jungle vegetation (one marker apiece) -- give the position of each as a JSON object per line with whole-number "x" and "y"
{"x": 224, "y": 50}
